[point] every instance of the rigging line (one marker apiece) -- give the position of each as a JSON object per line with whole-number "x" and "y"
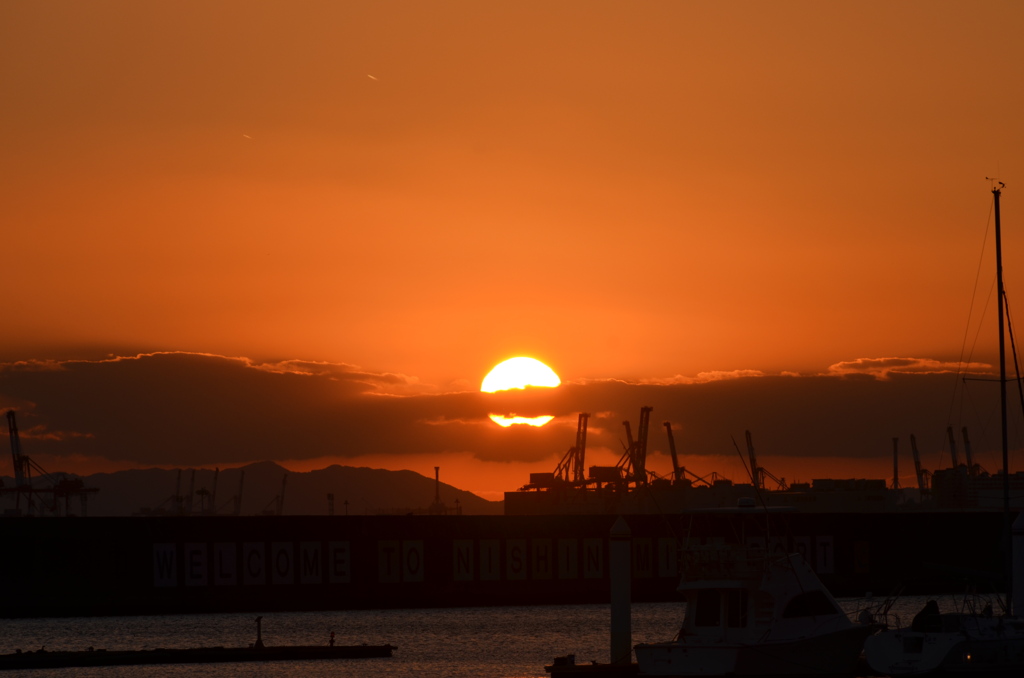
{"x": 964, "y": 379}
{"x": 970, "y": 310}
{"x": 1013, "y": 352}
{"x": 985, "y": 419}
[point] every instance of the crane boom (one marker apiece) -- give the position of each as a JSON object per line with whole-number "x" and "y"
{"x": 640, "y": 458}
{"x": 971, "y": 470}
{"x": 755, "y": 471}
{"x": 952, "y": 446}
{"x": 579, "y": 456}
{"x": 19, "y": 464}
{"x": 921, "y": 484}
{"x": 570, "y": 468}
{"x": 676, "y": 471}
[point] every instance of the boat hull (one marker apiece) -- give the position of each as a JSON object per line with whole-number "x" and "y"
{"x": 914, "y": 653}
{"x": 832, "y": 654}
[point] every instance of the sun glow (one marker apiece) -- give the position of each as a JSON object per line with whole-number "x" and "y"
{"x": 519, "y": 373}
{"x": 509, "y": 421}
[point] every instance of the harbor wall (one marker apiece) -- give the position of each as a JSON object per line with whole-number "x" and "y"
{"x": 166, "y": 565}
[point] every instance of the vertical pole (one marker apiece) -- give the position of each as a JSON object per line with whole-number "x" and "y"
{"x": 1002, "y": 352}
{"x": 1002, "y": 395}
{"x": 622, "y": 637}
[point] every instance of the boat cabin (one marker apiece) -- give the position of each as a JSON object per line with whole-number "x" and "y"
{"x": 750, "y": 595}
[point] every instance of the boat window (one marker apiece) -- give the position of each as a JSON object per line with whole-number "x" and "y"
{"x": 913, "y": 644}
{"x": 809, "y": 604}
{"x": 736, "y": 608}
{"x": 708, "y": 604}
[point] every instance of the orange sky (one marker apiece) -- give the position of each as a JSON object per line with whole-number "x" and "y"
{"x": 627, "y": 191}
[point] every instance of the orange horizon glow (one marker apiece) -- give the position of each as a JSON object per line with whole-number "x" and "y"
{"x": 490, "y": 480}
{"x": 666, "y": 201}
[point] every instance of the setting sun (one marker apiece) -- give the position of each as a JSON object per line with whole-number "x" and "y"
{"x": 519, "y": 373}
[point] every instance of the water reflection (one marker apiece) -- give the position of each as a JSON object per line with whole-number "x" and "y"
{"x": 502, "y": 642}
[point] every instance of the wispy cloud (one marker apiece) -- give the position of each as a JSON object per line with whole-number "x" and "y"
{"x": 883, "y": 368}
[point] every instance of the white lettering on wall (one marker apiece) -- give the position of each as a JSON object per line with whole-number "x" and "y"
{"x": 568, "y": 559}
{"x": 165, "y": 565}
{"x": 195, "y": 565}
{"x": 515, "y": 559}
{"x": 802, "y": 545}
{"x": 254, "y": 563}
{"x": 462, "y": 560}
{"x": 225, "y": 564}
{"x": 282, "y": 561}
{"x": 389, "y": 555}
{"x": 339, "y": 562}
{"x": 490, "y": 559}
{"x": 413, "y": 561}
{"x": 643, "y": 558}
{"x": 593, "y": 558}
{"x": 543, "y": 559}
{"x": 310, "y": 571}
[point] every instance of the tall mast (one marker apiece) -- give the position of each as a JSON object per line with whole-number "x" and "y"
{"x": 1002, "y": 351}
{"x": 1007, "y": 545}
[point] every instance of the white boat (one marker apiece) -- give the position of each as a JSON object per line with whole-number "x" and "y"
{"x": 965, "y": 643}
{"x": 751, "y": 614}
{"x": 971, "y": 641}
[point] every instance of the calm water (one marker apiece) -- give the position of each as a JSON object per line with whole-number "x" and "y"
{"x": 504, "y": 642}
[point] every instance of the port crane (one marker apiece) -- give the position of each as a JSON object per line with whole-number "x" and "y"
{"x": 759, "y": 473}
{"x": 680, "y": 472}
{"x": 570, "y": 468}
{"x": 235, "y": 501}
{"x": 923, "y": 476}
{"x": 60, "y": 486}
{"x": 277, "y": 502}
{"x": 633, "y": 463}
{"x": 677, "y": 471}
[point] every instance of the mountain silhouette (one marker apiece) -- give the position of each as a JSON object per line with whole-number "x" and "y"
{"x": 355, "y": 490}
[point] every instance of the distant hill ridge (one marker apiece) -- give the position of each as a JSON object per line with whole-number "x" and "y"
{"x": 356, "y": 490}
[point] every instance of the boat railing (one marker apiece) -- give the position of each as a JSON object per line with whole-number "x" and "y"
{"x": 888, "y": 619}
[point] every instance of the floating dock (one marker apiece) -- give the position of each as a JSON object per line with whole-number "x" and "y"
{"x": 43, "y": 659}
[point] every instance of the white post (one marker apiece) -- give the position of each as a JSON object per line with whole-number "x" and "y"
{"x": 622, "y": 637}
